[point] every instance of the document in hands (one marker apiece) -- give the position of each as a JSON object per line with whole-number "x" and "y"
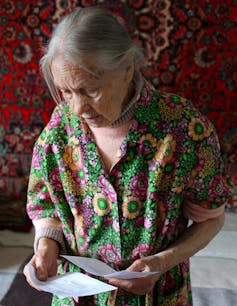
{"x": 72, "y": 284}
{"x": 99, "y": 268}
{"x": 76, "y": 284}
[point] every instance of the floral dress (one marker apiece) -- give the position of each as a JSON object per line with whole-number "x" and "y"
{"x": 169, "y": 160}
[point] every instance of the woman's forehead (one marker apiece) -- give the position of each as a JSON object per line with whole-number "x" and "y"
{"x": 66, "y": 71}
{"x": 84, "y": 66}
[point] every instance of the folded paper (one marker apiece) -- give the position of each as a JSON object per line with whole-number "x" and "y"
{"x": 99, "y": 268}
{"x": 72, "y": 284}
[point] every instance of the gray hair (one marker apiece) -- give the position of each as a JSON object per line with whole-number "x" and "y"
{"x": 95, "y": 33}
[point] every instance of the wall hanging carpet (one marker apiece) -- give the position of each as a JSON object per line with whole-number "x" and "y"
{"x": 190, "y": 48}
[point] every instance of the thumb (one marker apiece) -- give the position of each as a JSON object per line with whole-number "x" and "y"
{"x": 136, "y": 266}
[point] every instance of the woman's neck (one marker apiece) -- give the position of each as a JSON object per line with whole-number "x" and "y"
{"x": 129, "y": 109}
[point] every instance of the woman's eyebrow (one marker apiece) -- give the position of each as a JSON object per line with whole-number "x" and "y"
{"x": 76, "y": 88}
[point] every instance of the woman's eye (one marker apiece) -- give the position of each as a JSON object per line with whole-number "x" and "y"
{"x": 66, "y": 93}
{"x": 92, "y": 92}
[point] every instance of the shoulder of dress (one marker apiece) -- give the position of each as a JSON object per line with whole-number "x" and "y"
{"x": 57, "y": 130}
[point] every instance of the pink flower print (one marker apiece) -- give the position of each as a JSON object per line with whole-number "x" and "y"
{"x": 217, "y": 187}
{"x": 200, "y": 164}
{"x": 213, "y": 141}
{"x": 102, "y": 182}
{"x": 139, "y": 186}
{"x": 165, "y": 226}
{"x": 134, "y": 124}
{"x": 55, "y": 179}
{"x": 41, "y": 190}
{"x": 109, "y": 254}
{"x": 69, "y": 237}
{"x": 82, "y": 241}
{"x": 32, "y": 211}
{"x": 35, "y": 161}
{"x": 55, "y": 120}
{"x": 185, "y": 265}
{"x": 47, "y": 148}
{"x": 108, "y": 220}
{"x": 80, "y": 175}
{"x": 168, "y": 284}
{"x": 153, "y": 165}
{"x": 173, "y": 224}
{"x": 199, "y": 184}
{"x": 111, "y": 194}
{"x": 175, "y": 101}
{"x": 61, "y": 165}
{"x": 55, "y": 149}
{"x": 147, "y": 223}
{"x": 85, "y": 211}
{"x": 142, "y": 128}
{"x": 141, "y": 250}
{"x": 87, "y": 201}
{"x": 115, "y": 225}
{"x": 107, "y": 188}
{"x": 144, "y": 101}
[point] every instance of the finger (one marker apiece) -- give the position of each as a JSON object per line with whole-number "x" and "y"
{"x": 52, "y": 272}
{"x": 137, "y": 266}
{"x": 134, "y": 286}
{"x": 41, "y": 270}
{"x": 28, "y": 279}
{"x": 53, "y": 269}
{"x": 124, "y": 284}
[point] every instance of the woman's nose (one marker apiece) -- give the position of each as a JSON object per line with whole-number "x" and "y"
{"x": 79, "y": 105}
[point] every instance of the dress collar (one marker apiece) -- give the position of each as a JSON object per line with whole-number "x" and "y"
{"x": 129, "y": 111}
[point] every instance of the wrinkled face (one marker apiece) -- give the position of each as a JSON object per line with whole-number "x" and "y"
{"x": 97, "y": 99}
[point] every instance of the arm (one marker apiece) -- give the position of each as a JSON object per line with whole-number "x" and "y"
{"x": 41, "y": 210}
{"x": 196, "y": 237}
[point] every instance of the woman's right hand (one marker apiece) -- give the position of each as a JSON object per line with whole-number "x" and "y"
{"x": 44, "y": 260}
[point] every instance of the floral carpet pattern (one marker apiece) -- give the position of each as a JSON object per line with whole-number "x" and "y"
{"x": 190, "y": 48}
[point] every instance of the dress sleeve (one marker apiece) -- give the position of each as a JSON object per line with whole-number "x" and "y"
{"x": 200, "y": 214}
{"x": 49, "y": 228}
{"x": 208, "y": 186}
{"x": 40, "y": 206}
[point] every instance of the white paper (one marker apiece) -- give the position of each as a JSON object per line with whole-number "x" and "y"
{"x": 99, "y": 268}
{"x": 72, "y": 284}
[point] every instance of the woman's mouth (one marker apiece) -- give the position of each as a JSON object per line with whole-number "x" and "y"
{"x": 91, "y": 119}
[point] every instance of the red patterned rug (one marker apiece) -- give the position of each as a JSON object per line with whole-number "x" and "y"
{"x": 190, "y": 49}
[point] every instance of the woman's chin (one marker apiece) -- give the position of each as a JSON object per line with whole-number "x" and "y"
{"x": 97, "y": 121}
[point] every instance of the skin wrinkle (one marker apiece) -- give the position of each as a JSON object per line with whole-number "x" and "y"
{"x": 89, "y": 97}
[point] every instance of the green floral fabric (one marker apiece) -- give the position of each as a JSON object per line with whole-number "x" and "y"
{"x": 170, "y": 156}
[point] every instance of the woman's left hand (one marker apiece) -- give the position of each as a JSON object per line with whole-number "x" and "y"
{"x": 142, "y": 285}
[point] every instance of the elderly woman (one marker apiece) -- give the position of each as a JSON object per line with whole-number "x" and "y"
{"x": 120, "y": 168}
